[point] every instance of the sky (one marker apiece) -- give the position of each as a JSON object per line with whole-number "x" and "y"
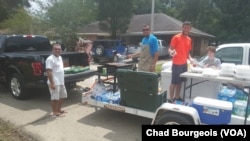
{"x": 35, "y": 6}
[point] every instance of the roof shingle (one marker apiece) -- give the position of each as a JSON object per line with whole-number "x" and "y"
{"x": 163, "y": 25}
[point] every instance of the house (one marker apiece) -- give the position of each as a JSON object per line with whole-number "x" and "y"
{"x": 164, "y": 28}
{"x": 92, "y": 32}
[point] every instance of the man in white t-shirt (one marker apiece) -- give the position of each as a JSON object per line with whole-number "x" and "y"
{"x": 55, "y": 72}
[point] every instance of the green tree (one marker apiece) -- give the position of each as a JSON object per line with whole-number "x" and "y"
{"x": 144, "y": 6}
{"x": 8, "y": 7}
{"x": 65, "y": 16}
{"x": 114, "y": 15}
{"x": 18, "y": 23}
{"x": 228, "y": 20}
{"x": 204, "y": 15}
{"x": 70, "y": 13}
{"x": 235, "y": 21}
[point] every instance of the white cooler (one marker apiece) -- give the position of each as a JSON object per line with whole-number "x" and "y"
{"x": 208, "y": 89}
{"x": 227, "y": 69}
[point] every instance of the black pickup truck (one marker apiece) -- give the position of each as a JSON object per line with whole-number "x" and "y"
{"x": 22, "y": 63}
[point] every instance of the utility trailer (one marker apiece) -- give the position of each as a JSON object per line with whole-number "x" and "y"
{"x": 168, "y": 113}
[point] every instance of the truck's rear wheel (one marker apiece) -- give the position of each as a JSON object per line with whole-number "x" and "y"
{"x": 70, "y": 84}
{"x": 175, "y": 119}
{"x": 16, "y": 87}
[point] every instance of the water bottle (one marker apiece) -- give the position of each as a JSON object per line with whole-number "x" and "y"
{"x": 227, "y": 94}
{"x": 116, "y": 97}
{"x": 239, "y": 108}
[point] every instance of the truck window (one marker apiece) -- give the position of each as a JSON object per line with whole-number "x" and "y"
{"x": 162, "y": 43}
{"x": 230, "y": 55}
{"x": 19, "y": 44}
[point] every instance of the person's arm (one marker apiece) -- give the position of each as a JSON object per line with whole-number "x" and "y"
{"x": 190, "y": 58}
{"x": 134, "y": 55}
{"x": 217, "y": 63}
{"x": 50, "y": 77}
{"x": 137, "y": 54}
{"x": 201, "y": 63}
{"x": 171, "y": 51}
{"x": 49, "y": 73}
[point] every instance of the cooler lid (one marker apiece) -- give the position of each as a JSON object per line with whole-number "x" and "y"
{"x": 220, "y": 104}
{"x": 228, "y": 65}
{"x": 138, "y": 81}
{"x": 242, "y": 68}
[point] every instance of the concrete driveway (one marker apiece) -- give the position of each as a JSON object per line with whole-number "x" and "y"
{"x": 81, "y": 123}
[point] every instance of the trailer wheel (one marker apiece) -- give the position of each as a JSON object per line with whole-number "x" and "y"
{"x": 175, "y": 119}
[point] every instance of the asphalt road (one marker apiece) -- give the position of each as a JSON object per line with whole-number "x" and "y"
{"x": 81, "y": 122}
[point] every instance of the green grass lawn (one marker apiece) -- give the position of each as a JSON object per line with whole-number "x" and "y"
{"x": 9, "y": 132}
{"x": 158, "y": 68}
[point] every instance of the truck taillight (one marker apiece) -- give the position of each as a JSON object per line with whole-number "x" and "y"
{"x": 37, "y": 68}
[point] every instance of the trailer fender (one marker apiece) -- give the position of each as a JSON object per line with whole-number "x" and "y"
{"x": 176, "y": 114}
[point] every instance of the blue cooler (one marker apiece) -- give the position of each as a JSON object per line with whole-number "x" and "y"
{"x": 213, "y": 111}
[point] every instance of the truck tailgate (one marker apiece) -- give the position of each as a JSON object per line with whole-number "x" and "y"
{"x": 73, "y": 59}
{"x": 79, "y": 76}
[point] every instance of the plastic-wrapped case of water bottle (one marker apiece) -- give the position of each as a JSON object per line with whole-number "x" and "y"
{"x": 238, "y": 99}
{"x": 102, "y": 93}
{"x": 108, "y": 97}
{"x": 240, "y": 107}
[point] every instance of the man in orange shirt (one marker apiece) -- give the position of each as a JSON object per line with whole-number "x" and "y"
{"x": 180, "y": 47}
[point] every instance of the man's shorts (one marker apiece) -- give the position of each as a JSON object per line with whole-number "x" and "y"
{"x": 59, "y": 92}
{"x": 176, "y": 71}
